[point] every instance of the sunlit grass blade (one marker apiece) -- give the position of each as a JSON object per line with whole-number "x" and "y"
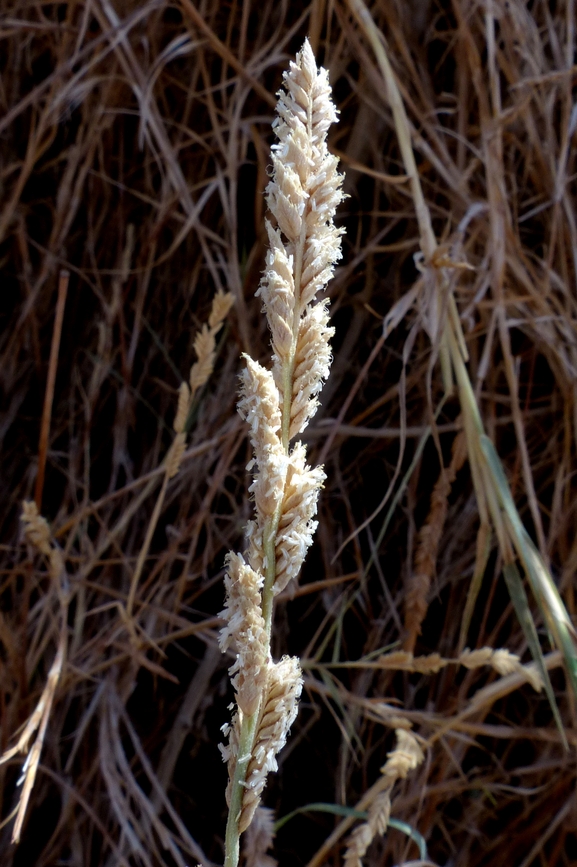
{"x": 551, "y": 605}
{"x": 525, "y": 618}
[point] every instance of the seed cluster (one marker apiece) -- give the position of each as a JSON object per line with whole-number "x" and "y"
{"x": 302, "y": 196}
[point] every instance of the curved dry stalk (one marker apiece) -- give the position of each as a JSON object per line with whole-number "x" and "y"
{"x": 39, "y": 537}
{"x": 205, "y": 348}
{"x": 277, "y": 404}
{"x": 50, "y": 383}
{"x": 406, "y": 756}
{"x": 416, "y": 602}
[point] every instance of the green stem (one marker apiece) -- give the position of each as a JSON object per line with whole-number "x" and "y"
{"x": 248, "y": 727}
{"x": 245, "y": 747}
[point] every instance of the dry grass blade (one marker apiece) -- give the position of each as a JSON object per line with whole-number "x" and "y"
{"x": 38, "y": 535}
{"x": 259, "y": 839}
{"x": 205, "y": 348}
{"x": 49, "y": 395}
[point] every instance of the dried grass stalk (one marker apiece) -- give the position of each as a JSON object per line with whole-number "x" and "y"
{"x": 37, "y": 533}
{"x": 416, "y": 599}
{"x": 501, "y": 660}
{"x": 406, "y": 756}
{"x": 205, "y": 348}
{"x": 276, "y": 714}
{"x": 277, "y": 404}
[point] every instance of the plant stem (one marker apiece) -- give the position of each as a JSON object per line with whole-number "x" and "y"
{"x": 248, "y": 727}
{"x": 245, "y": 747}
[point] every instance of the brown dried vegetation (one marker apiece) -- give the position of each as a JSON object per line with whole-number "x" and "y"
{"x": 134, "y": 141}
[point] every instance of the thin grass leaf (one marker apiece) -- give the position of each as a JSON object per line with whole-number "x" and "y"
{"x": 525, "y": 618}
{"x": 481, "y": 559}
{"x": 411, "y": 832}
{"x": 320, "y": 807}
{"x": 350, "y": 812}
{"x": 544, "y": 589}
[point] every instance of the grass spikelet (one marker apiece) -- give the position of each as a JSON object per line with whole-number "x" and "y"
{"x": 205, "y": 345}
{"x": 501, "y": 660}
{"x": 416, "y": 602}
{"x": 245, "y": 632}
{"x": 302, "y": 196}
{"x": 259, "y": 406}
{"x": 296, "y": 525}
{"x": 37, "y": 533}
{"x": 182, "y": 408}
{"x": 278, "y": 710}
{"x": 259, "y": 839}
{"x": 406, "y": 756}
{"x": 205, "y": 348}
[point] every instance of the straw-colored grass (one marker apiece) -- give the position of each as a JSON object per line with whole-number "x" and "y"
{"x": 135, "y": 154}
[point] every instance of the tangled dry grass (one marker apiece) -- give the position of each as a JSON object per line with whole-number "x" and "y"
{"x": 134, "y": 145}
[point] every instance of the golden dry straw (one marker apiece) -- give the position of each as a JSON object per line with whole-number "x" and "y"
{"x": 406, "y": 756}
